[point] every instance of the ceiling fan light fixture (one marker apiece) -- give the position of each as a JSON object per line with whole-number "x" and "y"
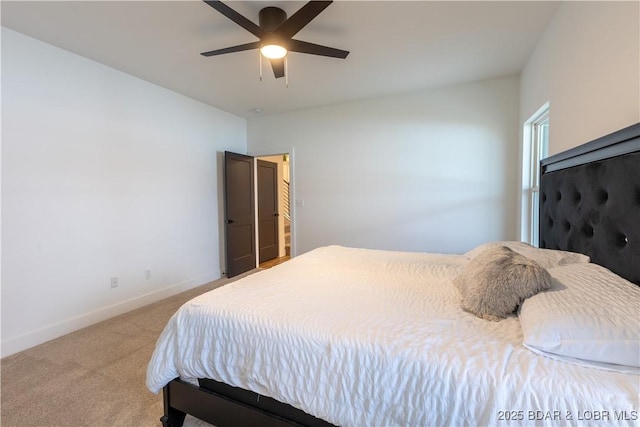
{"x": 273, "y": 51}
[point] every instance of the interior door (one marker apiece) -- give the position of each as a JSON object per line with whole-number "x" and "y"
{"x": 239, "y": 213}
{"x": 268, "y": 238}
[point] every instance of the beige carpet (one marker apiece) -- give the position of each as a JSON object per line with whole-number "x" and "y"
{"x": 92, "y": 377}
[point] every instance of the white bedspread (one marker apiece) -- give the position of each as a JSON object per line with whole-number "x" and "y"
{"x": 374, "y": 338}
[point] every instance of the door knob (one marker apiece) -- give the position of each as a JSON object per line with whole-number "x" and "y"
{"x": 229, "y": 221}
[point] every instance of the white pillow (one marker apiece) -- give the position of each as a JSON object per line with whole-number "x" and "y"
{"x": 547, "y": 258}
{"x": 590, "y": 316}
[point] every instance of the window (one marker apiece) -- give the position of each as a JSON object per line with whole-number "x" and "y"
{"x": 535, "y": 148}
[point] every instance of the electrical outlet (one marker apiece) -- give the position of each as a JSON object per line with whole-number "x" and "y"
{"x": 147, "y": 274}
{"x": 114, "y": 282}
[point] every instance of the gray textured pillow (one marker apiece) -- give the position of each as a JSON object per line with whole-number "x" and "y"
{"x": 495, "y": 282}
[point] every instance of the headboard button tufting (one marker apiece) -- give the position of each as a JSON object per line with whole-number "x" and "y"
{"x": 603, "y": 196}
{"x": 595, "y": 187}
{"x": 622, "y": 240}
{"x": 587, "y": 230}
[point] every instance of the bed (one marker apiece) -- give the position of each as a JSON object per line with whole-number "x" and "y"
{"x": 355, "y": 337}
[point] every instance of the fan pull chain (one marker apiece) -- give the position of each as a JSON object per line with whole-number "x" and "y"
{"x": 260, "y": 60}
{"x": 286, "y": 72}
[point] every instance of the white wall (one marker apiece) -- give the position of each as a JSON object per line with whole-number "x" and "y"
{"x": 426, "y": 171}
{"x": 587, "y": 65}
{"x": 103, "y": 175}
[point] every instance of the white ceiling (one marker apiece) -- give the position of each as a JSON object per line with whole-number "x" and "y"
{"x": 395, "y": 46}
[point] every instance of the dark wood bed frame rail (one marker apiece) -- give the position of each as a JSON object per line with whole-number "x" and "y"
{"x": 223, "y": 405}
{"x": 181, "y": 398}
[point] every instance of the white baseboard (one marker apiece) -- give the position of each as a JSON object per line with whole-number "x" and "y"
{"x": 56, "y": 330}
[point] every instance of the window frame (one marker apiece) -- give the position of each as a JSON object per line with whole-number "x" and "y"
{"x": 535, "y": 148}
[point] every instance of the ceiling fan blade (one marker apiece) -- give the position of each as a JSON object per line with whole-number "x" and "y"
{"x": 239, "y": 48}
{"x": 316, "y": 49}
{"x": 278, "y": 67}
{"x": 236, "y": 17}
{"x": 302, "y": 17}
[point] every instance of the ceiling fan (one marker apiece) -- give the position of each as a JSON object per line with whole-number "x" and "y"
{"x": 276, "y": 32}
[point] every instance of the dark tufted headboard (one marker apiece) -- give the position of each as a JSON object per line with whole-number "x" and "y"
{"x": 590, "y": 201}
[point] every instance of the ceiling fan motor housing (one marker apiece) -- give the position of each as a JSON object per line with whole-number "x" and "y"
{"x": 271, "y": 17}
